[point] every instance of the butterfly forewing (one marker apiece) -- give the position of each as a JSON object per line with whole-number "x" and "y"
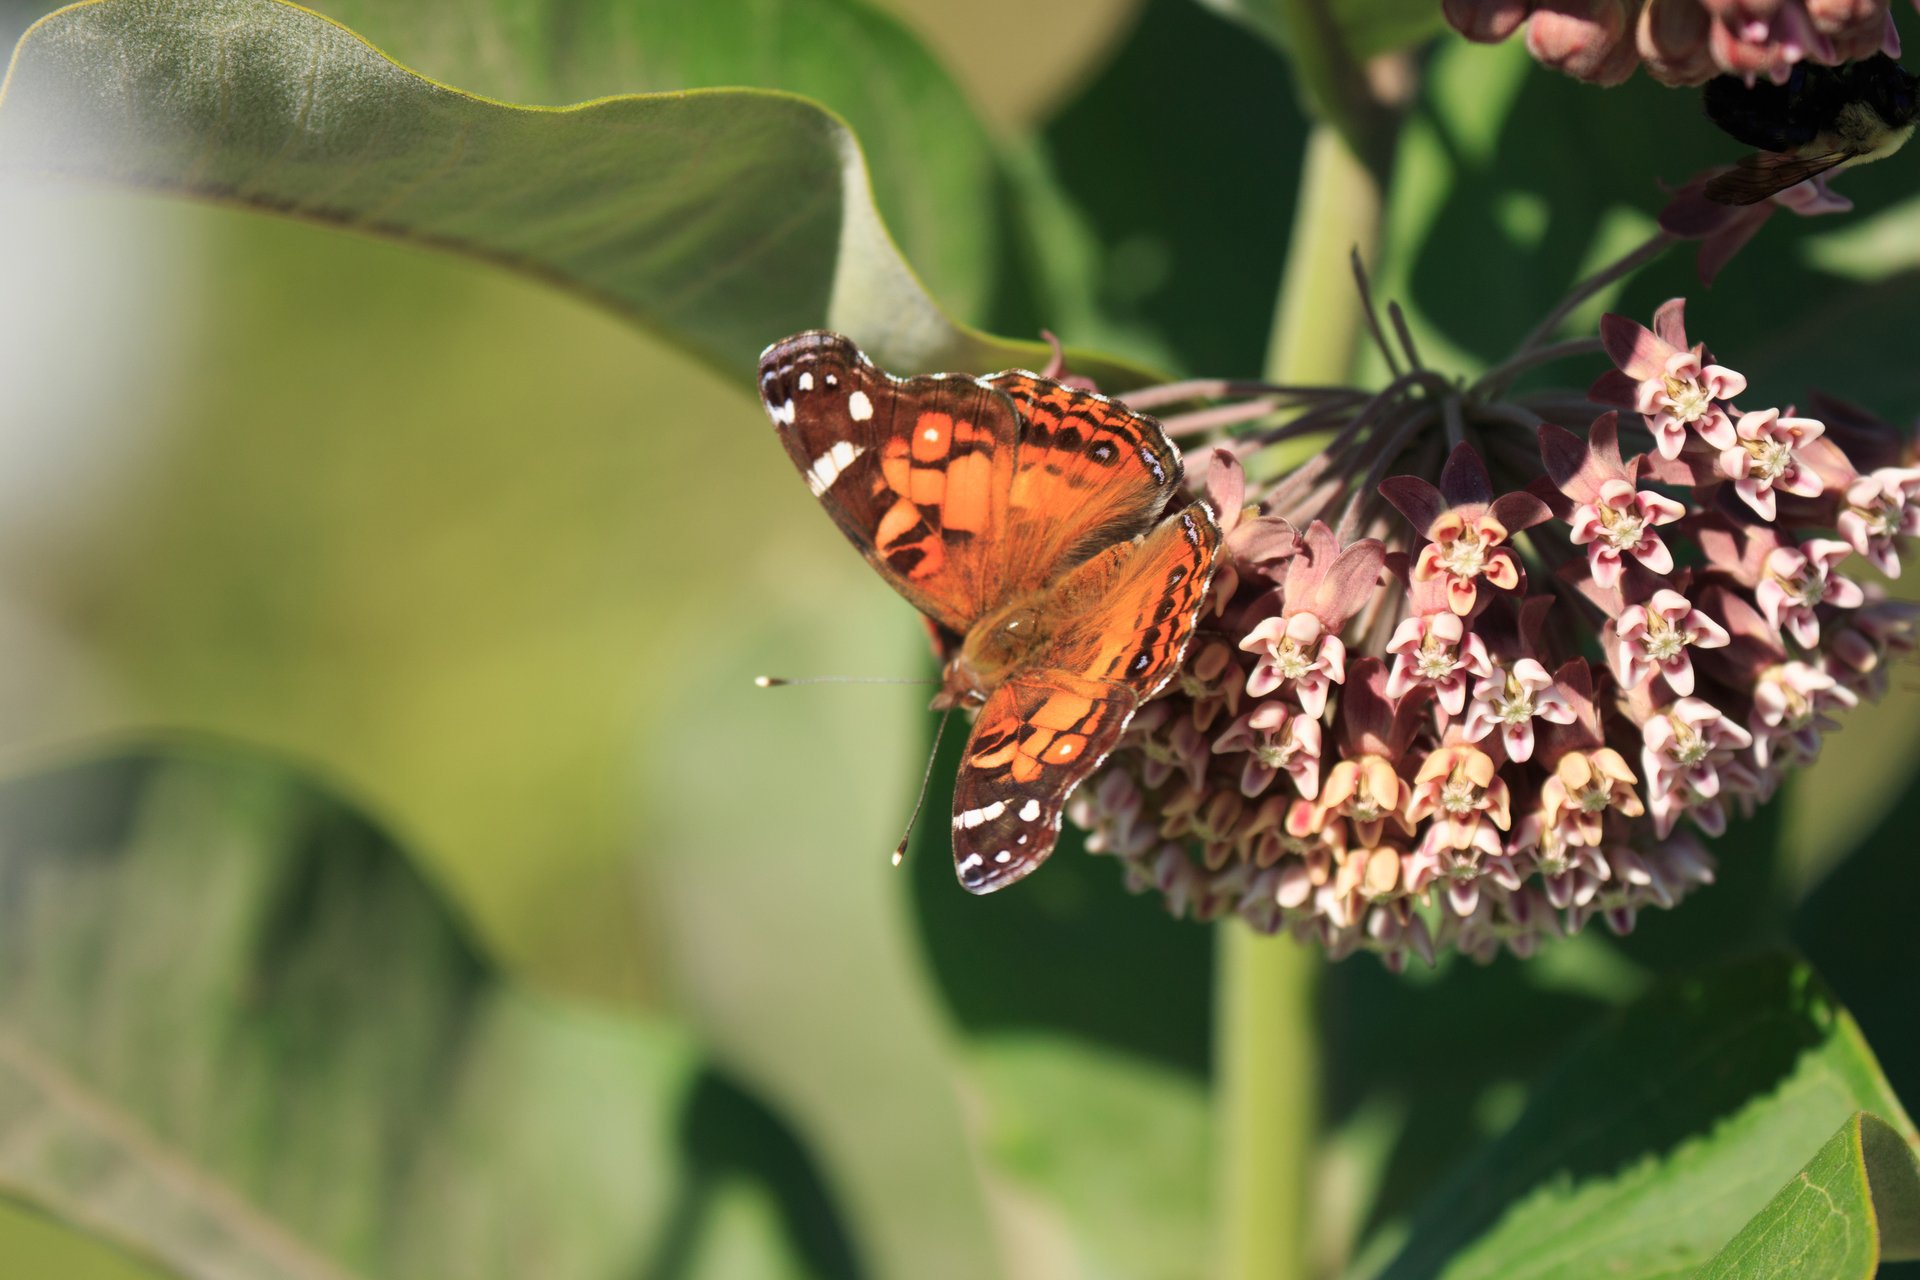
{"x": 964, "y": 492}
{"x": 1123, "y": 623}
{"x": 1089, "y": 473}
{"x": 915, "y": 471}
{"x": 1127, "y": 614}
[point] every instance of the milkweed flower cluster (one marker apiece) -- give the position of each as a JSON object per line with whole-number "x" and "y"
{"x": 1682, "y": 42}
{"x": 1477, "y": 714}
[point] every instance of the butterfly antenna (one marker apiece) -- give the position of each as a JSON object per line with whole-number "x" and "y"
{"x": 900, "y": 850}
{"x": 781, "y": 682}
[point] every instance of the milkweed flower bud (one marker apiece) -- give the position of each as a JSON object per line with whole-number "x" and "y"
{"x": 1591, "y": 40}
{"x": 1681, "y": 42}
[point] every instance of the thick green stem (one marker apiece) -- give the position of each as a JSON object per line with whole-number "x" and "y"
{"x": 1319, "y": 316}
{"x": 1267, "y": 1050}
{"x": 1268, "y": 1092}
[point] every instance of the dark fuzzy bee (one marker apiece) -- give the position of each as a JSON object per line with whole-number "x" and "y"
{"x": 1822, "y": 120}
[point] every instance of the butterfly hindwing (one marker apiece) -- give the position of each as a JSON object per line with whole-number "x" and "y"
{"x": 1037, "y": 738}
{"x": 1121, "y": 625}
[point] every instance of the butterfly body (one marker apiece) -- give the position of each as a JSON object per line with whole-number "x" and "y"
{"x": 1820, "y": 121}
{"x": 997, "y": 644}
{"x": 1026, "y": 520}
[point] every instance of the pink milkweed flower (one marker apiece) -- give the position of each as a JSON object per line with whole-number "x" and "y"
{"x": 1570, "y": 874}
{"x": 1793, "y": 705}
{"x": 1590, "y": 40}
{"x": 1200, "y": 679}
{"x": 1301, "y": 646}
{"x": 1859, "y": 651}
{"x": 1361, "y": 876}
{"x": 1609, "y": 514}
{"x": 1622, "y": 522}
{"x": 1367, "y": 793}
{"x": 1436, "y": 650}
{"x": 1276, "y": 739}
{"x": 1296, "y": 650}
{"x": 1466, "y": 527}
{"x": 1179, "y": 749}
{"x": 1459, "y": 788}
{"x": 1365, "y": 788}
{"x": 1684, "y": 749}
{"x": 1510, "y": 698}
{"x": 1655, "y": 636}
{"x": 1800, "y": 579}
{"x": 1762, "y": 459}
{"x": 1882, "y": 506}
{"x": 1673, "y": 386}
{"x": 1584, "y": 786}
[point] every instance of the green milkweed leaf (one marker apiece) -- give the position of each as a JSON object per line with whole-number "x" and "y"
{"x": 721, "y": 218}
{"x": 1856, "y": 1200}
{"x": 1658, "y": 1137}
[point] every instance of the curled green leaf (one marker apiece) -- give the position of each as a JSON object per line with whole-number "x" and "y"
{"x": 719, "y": 218}
{"x": 1856, "y": 1201}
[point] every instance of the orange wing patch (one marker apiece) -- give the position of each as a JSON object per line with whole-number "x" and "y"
{"x": 1088, "y": 472}
{"x": 1127, "y": 614}
{"x": 943, "y": 473}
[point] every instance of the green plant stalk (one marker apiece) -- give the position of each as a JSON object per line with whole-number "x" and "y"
{"x": 1318, "y": 320}
{"x": 1267, "y": 1088}
{"x": 1268, "y": 1093}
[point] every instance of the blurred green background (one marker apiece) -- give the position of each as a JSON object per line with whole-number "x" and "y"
{"x": 497, "y": 570}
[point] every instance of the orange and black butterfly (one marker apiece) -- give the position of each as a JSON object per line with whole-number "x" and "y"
{"x": 1024, "y": 518}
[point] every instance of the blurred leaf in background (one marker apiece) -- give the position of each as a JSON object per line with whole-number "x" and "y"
{"x": 240, "y": 1034}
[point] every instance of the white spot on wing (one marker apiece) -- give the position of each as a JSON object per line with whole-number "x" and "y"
{"x": 1003, "y": 857}
{"x": 972, "y": 860}
{"x": 859, "y": 407}
{"x": 805, "y": 382}
{"x": 972, "y": 818}
{"x": 828, "y": 466}
{"x": 782, "y": 413}
{"x": 1029, "y": 811}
